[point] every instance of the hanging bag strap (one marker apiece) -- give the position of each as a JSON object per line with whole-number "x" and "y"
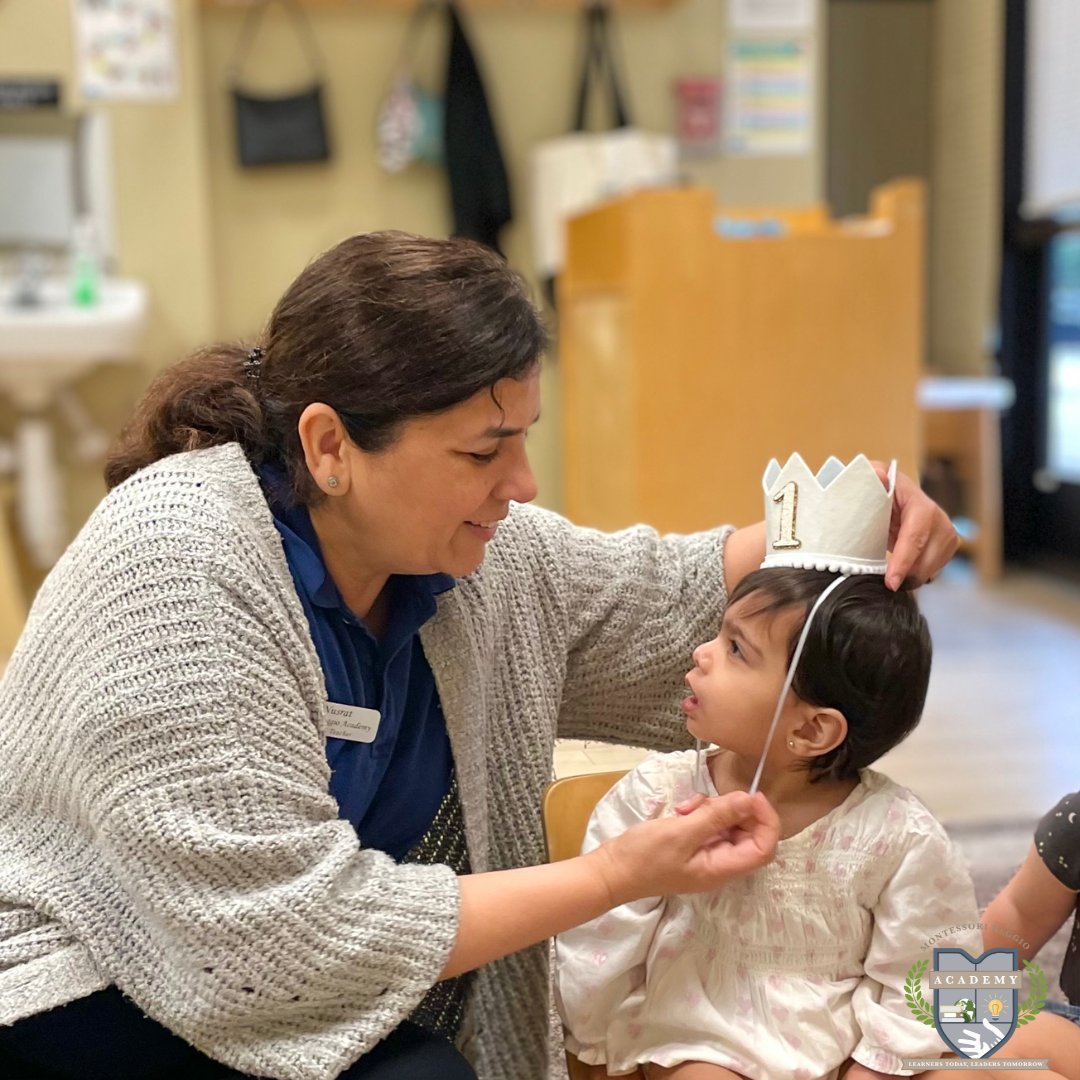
{"x": 253, "y": 19}
{"x": 412, "y": 34}
{"x": 599, "y": 59}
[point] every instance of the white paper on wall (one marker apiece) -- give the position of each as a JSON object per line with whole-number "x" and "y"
{"x": 791, "y": 16}
{"x": 126, "y": 49}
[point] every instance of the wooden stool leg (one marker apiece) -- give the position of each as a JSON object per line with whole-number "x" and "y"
{"x": 988, "y": 496}
{"x": 12, "y": 603}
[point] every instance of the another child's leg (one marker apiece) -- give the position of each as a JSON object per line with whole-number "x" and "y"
{"x": 1047, "y": 1036}
{"x": 693, "y": 1070}
{"x": 599, "y": 1072}
{"x": 1051, "y": 1037}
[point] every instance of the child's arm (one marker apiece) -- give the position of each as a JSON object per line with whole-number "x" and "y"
{"x": 601, "y": 963}
{"x": 1043, "y": 891}
{"x": 1032, "y": 906}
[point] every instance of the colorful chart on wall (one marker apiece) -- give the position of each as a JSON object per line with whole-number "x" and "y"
{"x": 770, "y": 100}
{"x": 126, "y": 49}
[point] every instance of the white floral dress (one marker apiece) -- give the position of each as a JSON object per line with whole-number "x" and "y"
{"x": 785, "y": 973}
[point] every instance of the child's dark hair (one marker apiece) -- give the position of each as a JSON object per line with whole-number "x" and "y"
{"x": 867, "y": 654}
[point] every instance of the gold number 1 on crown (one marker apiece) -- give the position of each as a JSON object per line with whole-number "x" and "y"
{"x": 788, "y": 497}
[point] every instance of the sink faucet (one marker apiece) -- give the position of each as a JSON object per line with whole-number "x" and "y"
{"x": 29, "y": 275}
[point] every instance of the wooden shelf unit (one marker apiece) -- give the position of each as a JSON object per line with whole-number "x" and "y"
{"x": 689, "y": 359}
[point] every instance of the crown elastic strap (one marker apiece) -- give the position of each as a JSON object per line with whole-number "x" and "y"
{"x": 790, "y": 678}
{"x": 701, "y": 784}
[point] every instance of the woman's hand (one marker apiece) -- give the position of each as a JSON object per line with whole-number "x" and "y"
{"x": 921, "y": 536}
{"x": 711, "y": 841}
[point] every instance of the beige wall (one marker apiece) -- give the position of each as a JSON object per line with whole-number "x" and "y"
{"x": 965, "y": 188}
{"x": 217, "y": 244}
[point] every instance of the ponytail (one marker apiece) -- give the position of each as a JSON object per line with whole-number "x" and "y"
{"x": 205, "y": 400}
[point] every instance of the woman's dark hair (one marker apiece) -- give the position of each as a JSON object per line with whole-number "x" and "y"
{"x": 383, "y": 327}
{"x": 867, "y": 654}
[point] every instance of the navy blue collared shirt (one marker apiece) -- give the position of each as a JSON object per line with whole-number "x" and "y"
{"x": 391, "y": 788}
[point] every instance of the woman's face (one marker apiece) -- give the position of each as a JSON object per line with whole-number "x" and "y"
{"x": 432, "y": 501}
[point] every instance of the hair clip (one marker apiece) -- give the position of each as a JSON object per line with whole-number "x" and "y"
{"x": 253, "y": 363}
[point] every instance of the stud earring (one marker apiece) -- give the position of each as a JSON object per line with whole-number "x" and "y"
{"x": 791, "y": 743}
{"x": 332, "y": 481}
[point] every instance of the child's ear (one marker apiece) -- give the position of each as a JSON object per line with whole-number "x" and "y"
{"x": 821, "y": 730}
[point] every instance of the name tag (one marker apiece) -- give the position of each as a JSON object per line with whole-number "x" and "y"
{"x": 352, "y": 722}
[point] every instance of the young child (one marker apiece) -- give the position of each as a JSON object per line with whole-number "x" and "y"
{"x": 1033, "y": 906}
{"x": 791, "y": 971}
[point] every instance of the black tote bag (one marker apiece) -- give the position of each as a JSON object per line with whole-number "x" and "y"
{"x": 279, "y": 130}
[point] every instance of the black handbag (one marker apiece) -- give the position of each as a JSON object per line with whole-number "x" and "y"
{"x": 283, "y": 129}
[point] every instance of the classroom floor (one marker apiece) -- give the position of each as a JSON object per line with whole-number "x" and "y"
{"x": 1000, "y": 737}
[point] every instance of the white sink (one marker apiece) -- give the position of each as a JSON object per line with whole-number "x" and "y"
{"x": 44, "y": 347}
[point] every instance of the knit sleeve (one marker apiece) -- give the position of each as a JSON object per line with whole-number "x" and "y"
{"x": 243, "y": 914}
{"x": 636, "y": 604}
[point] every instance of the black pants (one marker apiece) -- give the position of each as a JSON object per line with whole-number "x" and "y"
{"x": 106, "y": 1037}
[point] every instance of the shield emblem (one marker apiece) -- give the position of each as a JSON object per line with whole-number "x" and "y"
{"x": 975, "y": 999}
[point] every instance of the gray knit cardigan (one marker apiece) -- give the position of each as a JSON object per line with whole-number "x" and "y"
{"x": 165, "y": 819}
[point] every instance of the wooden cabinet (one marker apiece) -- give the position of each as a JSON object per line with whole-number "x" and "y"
{"x": 690, "y": 356}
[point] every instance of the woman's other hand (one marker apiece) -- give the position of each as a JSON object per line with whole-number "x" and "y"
{"x": 708, "y": 843}
{"x": 921, "y": 537}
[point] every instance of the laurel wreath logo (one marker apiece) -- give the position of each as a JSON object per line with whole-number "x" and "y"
{"x": 1029, "y": 1007}
{"x": 913, "y": 992}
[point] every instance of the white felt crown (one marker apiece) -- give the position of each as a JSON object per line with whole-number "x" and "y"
{"x": 837, "y": 520}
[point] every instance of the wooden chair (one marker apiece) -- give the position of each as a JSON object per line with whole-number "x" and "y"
{"x": 12, "y": 605}
{"x": 567, "y": 805}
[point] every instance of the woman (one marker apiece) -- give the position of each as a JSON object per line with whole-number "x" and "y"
{"x": 280, "y": 720}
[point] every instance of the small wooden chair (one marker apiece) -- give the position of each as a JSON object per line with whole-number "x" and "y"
{"x": 12, "y": 605}
{"x": 567, "y": 805}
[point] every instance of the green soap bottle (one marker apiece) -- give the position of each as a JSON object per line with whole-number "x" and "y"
{"x": 85, "y": 265}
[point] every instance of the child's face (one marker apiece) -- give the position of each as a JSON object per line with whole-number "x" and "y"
{"x": 738, "y": 676}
